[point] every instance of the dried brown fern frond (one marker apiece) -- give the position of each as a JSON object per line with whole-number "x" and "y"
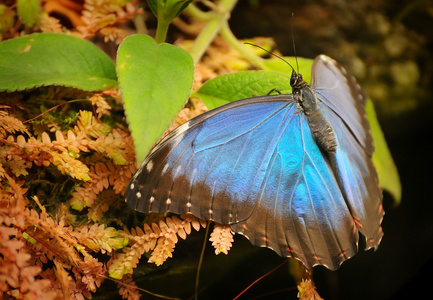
{"x": 307, "y": 291}
{"x": 89, "y": 273}
{"x": 101, "y": 16}
{"x": 18, "y": 273}
{"x": 102, "y": 106}
{"x": 103, "y": 176}
{"x": 159, "y": 238}
{"x": 114, "y": 170}
{"x": 51, "y": 238}
{"x": 39, "y": 239}
{"x": 22, "y": 153}
{"x": 51, "y": 24}
{"x": 128, "y": 288}
{"x": 221, "y": 238}
{"x": 10, "y": 125}
{"x": 97, "y": 237}
{"x": 90, "y": 127}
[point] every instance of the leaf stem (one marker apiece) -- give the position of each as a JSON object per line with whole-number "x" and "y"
{"x": 228, "y": 35}
{"x": 161, "y": 30}
{"x": 200, "y": 262}
{"x": 216, "y": 19}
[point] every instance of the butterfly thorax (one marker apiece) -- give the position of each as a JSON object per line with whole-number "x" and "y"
{"x": 320, "y": 127}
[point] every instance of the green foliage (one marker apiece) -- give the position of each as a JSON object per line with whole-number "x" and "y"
{"x": 389, "y": 179}
{"x": 235, "y": 86}
{"x": 43, "y": 59}
{"x": 231, "y": 87}
{"x": 155, "y": 81}
{"x": 166, "y": 11}
{"x": 6, "y": 18}
{"x": 28, "y": 11}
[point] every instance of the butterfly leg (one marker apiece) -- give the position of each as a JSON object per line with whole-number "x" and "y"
{"x": 273, "y": 90}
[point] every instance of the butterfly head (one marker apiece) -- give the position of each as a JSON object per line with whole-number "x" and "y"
{"x": 296, "y": 80}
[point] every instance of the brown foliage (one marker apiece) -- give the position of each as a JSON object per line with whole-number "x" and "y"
{"x": 307, "y": 290}
{"x": 51, "y": 254}
{"x": 91, "y": 154}
{"x": 85, "y": 19}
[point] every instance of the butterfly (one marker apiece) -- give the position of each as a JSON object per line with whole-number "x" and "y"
{"x": 291, "y": 172}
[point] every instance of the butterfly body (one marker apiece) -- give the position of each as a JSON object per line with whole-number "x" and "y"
{"x": 292, "y": 172}
{"x": 320, "y": 127}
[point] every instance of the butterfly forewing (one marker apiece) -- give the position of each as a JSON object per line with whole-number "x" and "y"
{"x": 358, "y": 181}
{"x": 203, "y": 164}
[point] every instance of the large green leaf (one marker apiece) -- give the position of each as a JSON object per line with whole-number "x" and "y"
{"x": 300, "y": 64}
{"x": 389, "y": 178}
{"x": 235, "y": 86}
{"x": 155, "y": 81}
{"x": 54, "y": 59}
{"x": 231, "y": 87}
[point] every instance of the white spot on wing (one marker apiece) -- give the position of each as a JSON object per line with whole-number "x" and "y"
{"x": 151, "y": 199}
{"x": 132, "y": 186}
{"x": 168, "y": 201}
{"x": 165, "y": 168}
{"x": 138, "y": 195}
{"x": 176, "y": 173}
{"x": 149, "y": 166}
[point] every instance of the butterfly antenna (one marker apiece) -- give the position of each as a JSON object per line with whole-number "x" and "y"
{"x": 267, "y": 51}
{"x": 293, "y": 41}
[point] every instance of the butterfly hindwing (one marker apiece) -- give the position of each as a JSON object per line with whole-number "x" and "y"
{"x": 342, "y": 103}
{"x": 300, "y": 211}
{"x": 339, "y": 91}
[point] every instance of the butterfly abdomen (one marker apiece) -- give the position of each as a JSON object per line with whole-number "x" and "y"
{"x": 322, "y": 131}
{"x": 319, "y": 126}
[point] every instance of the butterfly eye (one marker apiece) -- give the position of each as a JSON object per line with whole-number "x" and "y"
{"x": 293, "y": 79}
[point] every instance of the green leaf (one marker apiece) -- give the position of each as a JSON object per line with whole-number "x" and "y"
{"x": 28, "y": 11}
{"x": 231, "y": 87}
{"x": 168, "y": 9}
{"x": 155, "y": 81}
{"x": 153, "y": 6}
{"x": 304, "y": 65}
{"x": 6, "y": 18}
{"x": 389, "y": 179}
{"x": 54, "y": 59}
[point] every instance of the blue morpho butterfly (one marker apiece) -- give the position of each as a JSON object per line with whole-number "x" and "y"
{"x": 291, "y": 172}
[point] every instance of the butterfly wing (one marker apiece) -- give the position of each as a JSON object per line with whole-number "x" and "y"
{"x": 300, "y": 211}
{"x": 207, "y": 166}
{"x": 342, "y": 103}
{"x": 253, "y": 164}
